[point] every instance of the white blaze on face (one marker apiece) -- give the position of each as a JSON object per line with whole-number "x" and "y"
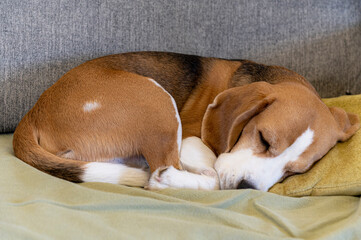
{"x": 262, "y": 173}
{"x": 91, "y": 106}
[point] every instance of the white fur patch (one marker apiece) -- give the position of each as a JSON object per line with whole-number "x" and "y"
{"x": 115, "y": 173}
{"x": 262, "y": 173}
{"x": 173, "y": 178}
{"x": 91, "y": 106}
{"x": 179, "y": 132}
{"x": 67, "y": 154}
{"x": 195, "y": 156}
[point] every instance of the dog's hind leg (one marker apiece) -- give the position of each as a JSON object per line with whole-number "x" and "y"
{"x": 162, "y": 151}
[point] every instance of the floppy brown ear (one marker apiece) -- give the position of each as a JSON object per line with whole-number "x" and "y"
{"x": 231, "y": 110}
{"x": 348, "y": 123}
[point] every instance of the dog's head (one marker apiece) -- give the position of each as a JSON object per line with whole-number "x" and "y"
{"x": 265, "y": 132}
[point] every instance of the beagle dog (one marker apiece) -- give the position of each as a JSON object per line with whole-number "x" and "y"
{"x": 165, "y": 120}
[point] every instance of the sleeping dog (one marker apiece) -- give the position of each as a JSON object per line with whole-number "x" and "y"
{"x": 199, "y": 123}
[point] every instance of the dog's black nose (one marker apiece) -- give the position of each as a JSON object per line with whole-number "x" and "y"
{"x": 245, "y": 184}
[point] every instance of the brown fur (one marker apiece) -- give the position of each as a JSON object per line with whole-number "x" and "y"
{"x": 270, "y": 117}
{"x": 57, "y": 124}
{"x": 136, "y": 118}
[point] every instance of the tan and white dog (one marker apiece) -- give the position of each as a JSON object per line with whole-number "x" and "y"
{"x": 186, "y": 116}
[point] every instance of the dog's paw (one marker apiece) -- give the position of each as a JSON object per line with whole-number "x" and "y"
{"x": 157, "y": 180}
{"x": 173, "y": 178}
{"x": 210, "y": 172}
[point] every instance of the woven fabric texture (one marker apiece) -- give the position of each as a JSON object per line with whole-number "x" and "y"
{"x": 41, "y": 40}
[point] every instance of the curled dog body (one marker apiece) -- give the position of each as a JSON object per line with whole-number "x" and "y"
{"x": 192, "y": 122}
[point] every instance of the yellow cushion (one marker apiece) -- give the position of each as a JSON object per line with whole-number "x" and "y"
{"x": 339, "y": 171}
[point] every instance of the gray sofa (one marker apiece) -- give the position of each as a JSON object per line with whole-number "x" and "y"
{"x": 41, "y": 40}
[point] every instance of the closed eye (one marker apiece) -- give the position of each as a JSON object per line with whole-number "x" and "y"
{"x": 264, "y": 142}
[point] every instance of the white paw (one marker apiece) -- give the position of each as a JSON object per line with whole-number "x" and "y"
{"x": 210, "y": 172}
{"x": 156, "y": 181}
{"x": 173, "y": 178}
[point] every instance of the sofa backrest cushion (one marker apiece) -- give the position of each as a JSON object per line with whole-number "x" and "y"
{"x": 41, "y": 40}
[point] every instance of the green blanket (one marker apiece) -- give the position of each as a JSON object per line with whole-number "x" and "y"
{"x": 34, "y": 205}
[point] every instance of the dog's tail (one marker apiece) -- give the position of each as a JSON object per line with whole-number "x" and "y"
{"x": 27, "y": 148}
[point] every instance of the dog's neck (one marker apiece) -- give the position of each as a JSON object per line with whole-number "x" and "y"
{"x": 250, "y": 72}
{"x": 217, "y": 79}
